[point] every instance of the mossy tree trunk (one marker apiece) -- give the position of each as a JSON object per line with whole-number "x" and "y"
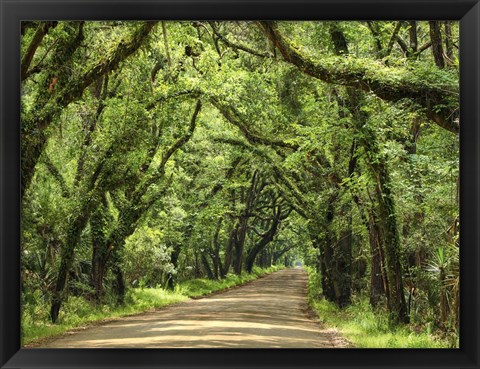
{"x": 99, "y": 223}
{"x": 386, "y": 221}
{"x": 391, "y": 241}
{"x": 248, "y": 197}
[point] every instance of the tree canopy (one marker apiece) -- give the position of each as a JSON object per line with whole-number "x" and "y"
{"x": 156, "y": 152}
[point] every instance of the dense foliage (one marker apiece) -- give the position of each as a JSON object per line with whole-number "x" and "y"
{"x": 158, "y": 152}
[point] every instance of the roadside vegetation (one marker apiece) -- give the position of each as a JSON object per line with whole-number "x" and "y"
{"x": 365, "y": 327}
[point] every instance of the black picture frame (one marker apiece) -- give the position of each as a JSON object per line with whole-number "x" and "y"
{"x": 12, "y": 12}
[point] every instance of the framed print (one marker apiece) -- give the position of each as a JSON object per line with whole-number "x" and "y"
{"x": 239, "y": 184}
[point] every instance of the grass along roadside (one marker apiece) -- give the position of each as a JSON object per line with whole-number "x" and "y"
{"x": 364, "y": 328}
{"x": 77, "y": 312}
{"x": 201, "y": 287}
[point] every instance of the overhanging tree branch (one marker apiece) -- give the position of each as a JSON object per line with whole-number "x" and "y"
{"x": 236, "y": 46}
{"x": 160, "y": 171}
{"x": 42, "y": 30}
{"x": 439, "y": 101}
{"x": 57, "y": 175}
{"x": 232, "y": 116}
{"x": 291, "y": 191}
{"x": 32, "y": 146}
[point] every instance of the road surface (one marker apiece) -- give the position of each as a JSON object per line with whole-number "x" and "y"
{"x": 270, "y": 312}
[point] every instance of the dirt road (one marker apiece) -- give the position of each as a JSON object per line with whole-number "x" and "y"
{"x": 270, "y": 312}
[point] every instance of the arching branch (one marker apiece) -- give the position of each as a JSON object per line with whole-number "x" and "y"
{"x": 236, "y": 46}
{"x": 42, "y": 30}
{"x": 232, "y": 116}
{"x": 439, "y": 101}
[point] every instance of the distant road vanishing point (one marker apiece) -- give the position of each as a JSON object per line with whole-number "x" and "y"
{"x": 270, "y": 312}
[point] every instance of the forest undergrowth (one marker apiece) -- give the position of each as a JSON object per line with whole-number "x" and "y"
{"x": 365, "y": 327}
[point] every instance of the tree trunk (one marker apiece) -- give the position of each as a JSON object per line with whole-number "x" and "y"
{"x": 336, "y": 255}
{"x": 264, "y": 259}
{"x": 413, "y": 47}
{"x": 119, "y": 284}
{"x": 249, "y": 200}
{"x": 196, "y": 267}
{"x": 229, "y": 252}
{"x": 324, "y": 244}
{"x": 99, "y": 222}
{"x": 437, "y": 45}
{"x": 206, "y": 265}
{"x": 448, "y": 40}
{"x": 67, "y": 256}
{"x": 325, "y": 259}
{"x": 174, "y": 260}
{"x": 378, "y": 281}
{"x": 217, "y": 263}
{"x": 99, "y": 262}
{"x": 387, "y": 219}
{"x": 343, "y": 276}
{"x": 239, "y": 244}
{"x": 27, "y": 58}
{"x": 391, "y": 240}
